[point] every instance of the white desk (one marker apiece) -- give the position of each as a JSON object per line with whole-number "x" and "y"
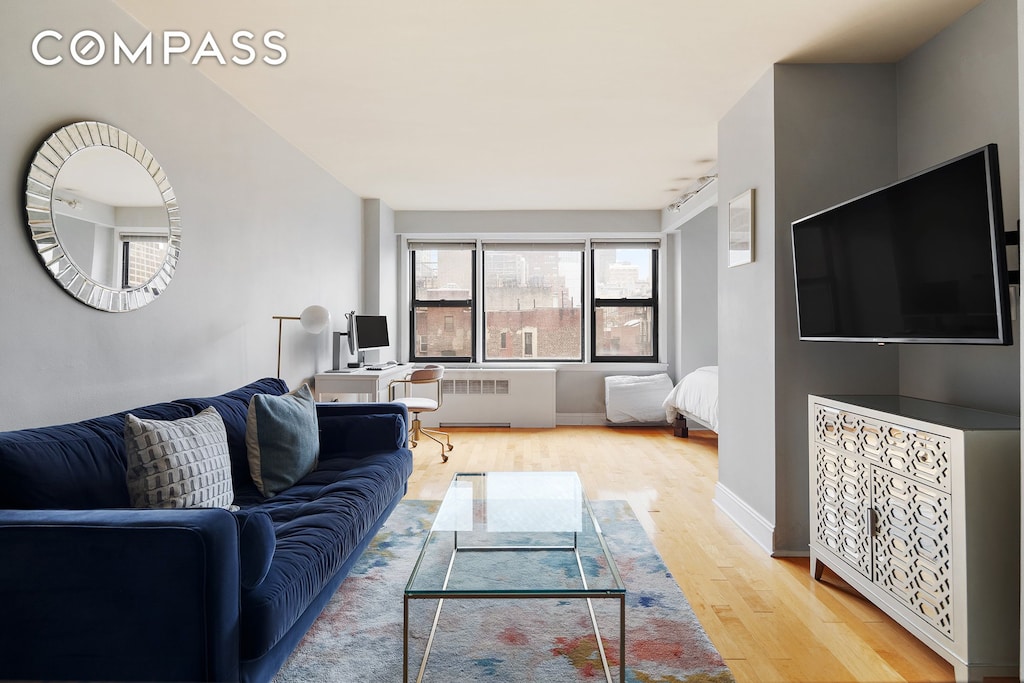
{"x": 370, "y": 385}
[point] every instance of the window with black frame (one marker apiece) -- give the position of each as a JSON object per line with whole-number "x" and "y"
{"x": 624, "y": 286}
{"x": 533, "y": 301}
{"x": 142, "y": 256}
{"x": 443, "y": 305}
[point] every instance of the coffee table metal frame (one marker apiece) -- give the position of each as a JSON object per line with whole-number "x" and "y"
{"x": 618, "y": 592}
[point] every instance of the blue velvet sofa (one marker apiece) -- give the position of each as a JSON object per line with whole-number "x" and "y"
{"x": 91, "y": 589}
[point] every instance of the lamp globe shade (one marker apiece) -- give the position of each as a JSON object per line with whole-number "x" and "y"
{"x": 315, "y": 319}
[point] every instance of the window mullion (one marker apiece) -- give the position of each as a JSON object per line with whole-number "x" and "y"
{"x": 624, "y": 302}
{"x": 442, "y": 303}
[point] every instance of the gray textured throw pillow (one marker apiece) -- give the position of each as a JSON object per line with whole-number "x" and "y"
{"x": 178, "y": 463}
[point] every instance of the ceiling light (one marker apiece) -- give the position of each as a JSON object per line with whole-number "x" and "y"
{"x": 73, "y": 203}
{"x": 700, "y": 183}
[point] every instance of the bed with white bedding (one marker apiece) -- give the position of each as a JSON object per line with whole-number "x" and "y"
{"x": 695, "y": 396}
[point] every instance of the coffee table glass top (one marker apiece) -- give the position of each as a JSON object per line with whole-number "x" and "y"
{"x": 515, "y": 534}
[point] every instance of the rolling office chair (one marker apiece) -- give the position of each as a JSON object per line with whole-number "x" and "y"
{"x": 430, "y": 374}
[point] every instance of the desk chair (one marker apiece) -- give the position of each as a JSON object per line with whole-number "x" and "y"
{"x": 430, "y": 374}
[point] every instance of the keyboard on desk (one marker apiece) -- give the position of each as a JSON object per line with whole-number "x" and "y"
{"x": 380, "y": 366}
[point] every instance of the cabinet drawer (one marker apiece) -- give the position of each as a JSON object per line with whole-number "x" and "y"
{"x": 838, "y": 428}
{"x": 920, "y": 455}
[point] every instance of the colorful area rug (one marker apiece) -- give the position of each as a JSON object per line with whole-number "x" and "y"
{"x": 359, "y": 635}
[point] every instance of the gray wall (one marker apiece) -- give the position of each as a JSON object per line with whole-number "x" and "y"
{"x": 803, "y": 138}
{"x": 485, "y": 222}
{"x": 696, "y": 326}
{"x": 1020, "y": 198}
{"x": 265, "y": 232}
{"x": 835, "y": 138}
{"x": 380, "y": 275}
{"x": 957, "y": 93}
{"x": 746, "y": 305}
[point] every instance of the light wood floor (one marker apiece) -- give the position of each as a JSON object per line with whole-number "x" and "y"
{"x": 767, "y": 617}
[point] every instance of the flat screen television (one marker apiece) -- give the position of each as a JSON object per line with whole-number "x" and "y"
{"x": 920, "y": 261}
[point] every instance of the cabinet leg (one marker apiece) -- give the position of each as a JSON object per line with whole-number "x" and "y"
{"x": 817, "y": 567}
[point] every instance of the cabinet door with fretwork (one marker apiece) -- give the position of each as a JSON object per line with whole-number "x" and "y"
{"x": 912, "y": 546}
{"x": 842, "y": 506}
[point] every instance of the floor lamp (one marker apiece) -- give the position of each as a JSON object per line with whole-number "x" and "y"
{"x": 314, "y": 319}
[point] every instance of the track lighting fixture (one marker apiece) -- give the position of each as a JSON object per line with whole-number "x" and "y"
{"x": 699, "y": 185}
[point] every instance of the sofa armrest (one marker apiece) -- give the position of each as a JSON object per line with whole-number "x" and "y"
{"x": 119, "y": 595}
{"x": 359, "y": 428}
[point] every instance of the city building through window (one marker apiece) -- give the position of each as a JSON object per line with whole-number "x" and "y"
{"x": 533, "y": 302}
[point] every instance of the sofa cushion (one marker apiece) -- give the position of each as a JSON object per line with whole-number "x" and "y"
{"x": 178, "y": 463}
{"x": 233, "y": 407}
{"x": 348, "y": 434}
{"x": 76, "y": 466}
{"x": 318, "y": 523}
{"x": 282, "y": 439}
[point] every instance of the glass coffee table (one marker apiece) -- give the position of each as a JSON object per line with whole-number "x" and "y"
{"x": 542, "y": 522}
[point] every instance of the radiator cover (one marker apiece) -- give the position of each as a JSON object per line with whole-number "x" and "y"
{"x": 511, "y": 397}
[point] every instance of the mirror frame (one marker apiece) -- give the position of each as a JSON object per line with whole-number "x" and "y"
{"x": 46, "y": 164}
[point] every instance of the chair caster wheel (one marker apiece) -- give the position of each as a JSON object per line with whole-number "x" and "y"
{"x": 412, "y": 444}
{"x": 444, "y": 458}
{"x": 450, "y": 446}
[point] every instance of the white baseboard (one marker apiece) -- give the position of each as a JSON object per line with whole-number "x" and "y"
{"x": 578, "y": 419}
{"x": 747, "y": 518}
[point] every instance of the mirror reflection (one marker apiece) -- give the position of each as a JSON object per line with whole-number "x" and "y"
{"x": 110, "y": 218}
{"x": 102, "y": 216}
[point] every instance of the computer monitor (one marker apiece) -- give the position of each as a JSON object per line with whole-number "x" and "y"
{"x": 371, "y": 332}
{"x": 365, "y": 332}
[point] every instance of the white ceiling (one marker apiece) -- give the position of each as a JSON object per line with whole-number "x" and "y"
{"x": 109, "y": 176}
{"x": 528, "y": 104}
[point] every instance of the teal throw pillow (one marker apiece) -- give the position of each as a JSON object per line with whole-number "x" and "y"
{"x": 282, "y": 439}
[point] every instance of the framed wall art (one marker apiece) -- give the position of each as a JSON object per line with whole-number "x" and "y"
{"x": 741, "y": 229}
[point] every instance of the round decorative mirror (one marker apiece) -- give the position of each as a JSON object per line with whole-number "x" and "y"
{"x": 103, "y": 216}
